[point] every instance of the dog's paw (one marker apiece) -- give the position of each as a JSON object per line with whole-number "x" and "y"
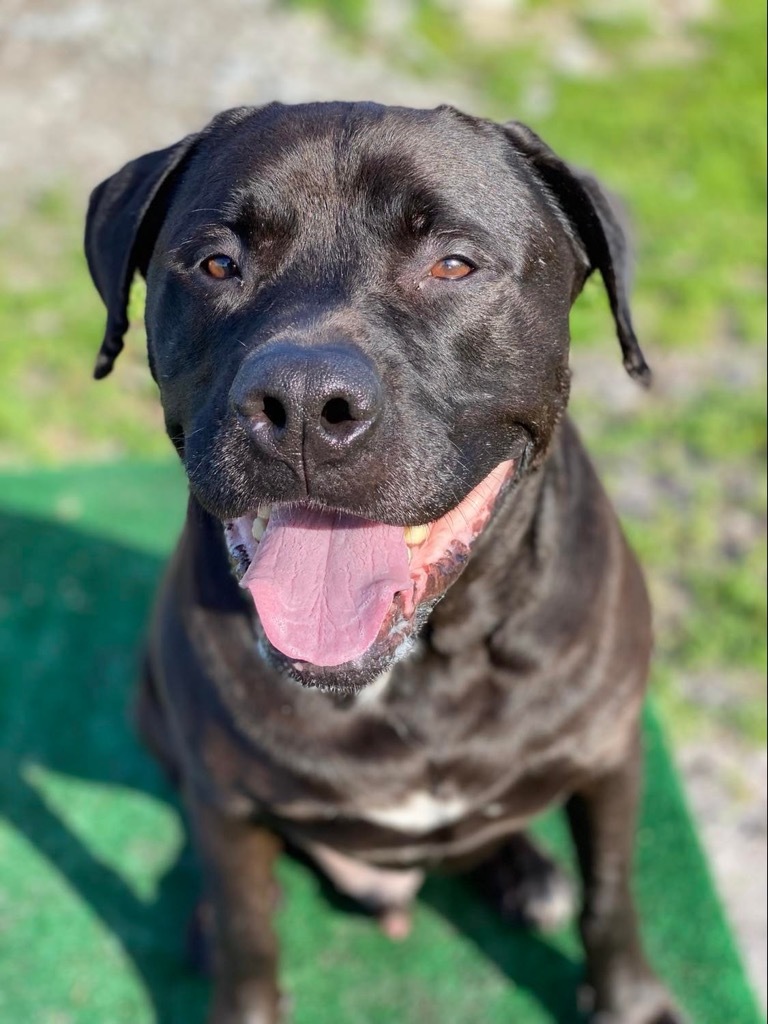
{"x": 256, "y": 1015}
{"x": 646, "y": 1004}
{"x": 548, "y": 903}
{"x": 526, "y": 887}
{"x": 665, "y": 1016}
{"x": 252, "y": 1006}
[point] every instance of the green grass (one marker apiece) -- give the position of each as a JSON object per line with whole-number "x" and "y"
{"x": 51, "y": 322}
{"x": 97, "y": 882}
{"x": 682, "y": 139}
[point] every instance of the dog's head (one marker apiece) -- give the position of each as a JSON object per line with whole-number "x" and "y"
{"x": 357, "y": 318}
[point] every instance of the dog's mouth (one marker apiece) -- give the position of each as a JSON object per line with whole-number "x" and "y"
{"x": 334, "y": 590}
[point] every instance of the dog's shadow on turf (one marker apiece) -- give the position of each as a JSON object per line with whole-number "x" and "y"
{"x": 72, "y": 610}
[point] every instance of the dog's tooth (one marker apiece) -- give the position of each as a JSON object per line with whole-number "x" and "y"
{"x": 416, "y": 534}
{"x": 258, "y": 528}
{"x": 264, "y": 512}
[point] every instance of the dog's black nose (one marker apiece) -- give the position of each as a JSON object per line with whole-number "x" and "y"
{"x": 301, "y": 402}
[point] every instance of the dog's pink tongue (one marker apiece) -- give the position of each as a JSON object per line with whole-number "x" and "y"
{"x": 323, "y": 582}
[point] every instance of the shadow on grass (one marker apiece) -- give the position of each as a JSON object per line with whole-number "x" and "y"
{"x": 73, "y": 608}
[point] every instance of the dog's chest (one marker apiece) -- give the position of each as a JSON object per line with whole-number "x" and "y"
{"x": 405, "y": 777}
{"x": 412, "y": 758}
{"x": 433, "y": 799}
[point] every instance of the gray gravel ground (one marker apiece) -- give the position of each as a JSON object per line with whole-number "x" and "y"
{"x": 88, "y": 85}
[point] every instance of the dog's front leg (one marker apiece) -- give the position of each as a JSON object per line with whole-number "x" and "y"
{"x": 238, "y": 859}
{"x": 622, "y": 987}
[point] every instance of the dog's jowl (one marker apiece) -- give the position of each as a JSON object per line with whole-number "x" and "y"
{"x": 402, "y": 618}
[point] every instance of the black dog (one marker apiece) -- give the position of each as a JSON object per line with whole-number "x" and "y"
{"x": 358, "y": 322}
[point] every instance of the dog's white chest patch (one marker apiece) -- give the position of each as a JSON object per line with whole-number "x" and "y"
{"x": 418, "y": 813}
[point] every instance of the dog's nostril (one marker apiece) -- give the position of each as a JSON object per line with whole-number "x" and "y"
{"x": 336, "y": 411}
{"x": 275, "y": 412}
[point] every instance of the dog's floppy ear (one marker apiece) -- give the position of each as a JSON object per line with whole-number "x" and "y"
{"x": 592, "y": 217}
{"x": 124, "y": 216}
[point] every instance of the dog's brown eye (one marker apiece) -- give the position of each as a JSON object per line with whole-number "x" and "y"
{"x": 452, "y": 268}
{"x": 219, "y": 266}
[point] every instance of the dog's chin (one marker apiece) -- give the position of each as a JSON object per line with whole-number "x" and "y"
{"x": 416, "y": 565}
{"x": 347, "y": 679}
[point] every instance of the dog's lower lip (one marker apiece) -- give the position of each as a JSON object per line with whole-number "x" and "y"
{"x": 436, "y": 553}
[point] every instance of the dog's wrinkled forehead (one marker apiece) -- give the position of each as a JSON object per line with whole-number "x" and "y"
{"x": 323, "y": 181}
{"x": 321, "y": 168}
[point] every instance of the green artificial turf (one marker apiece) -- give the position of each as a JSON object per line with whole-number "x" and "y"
{"x": 96, "y": 880}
